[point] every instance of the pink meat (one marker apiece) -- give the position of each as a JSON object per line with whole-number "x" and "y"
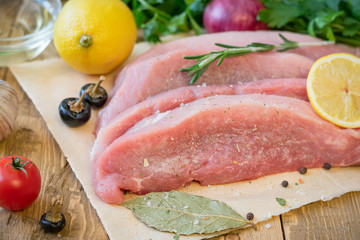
{"x": 206, "y": 43}
{"x": 159, "y": 74}
{"x": 243, "y": 38}
{"x": 292, "y": 87}
{"x": 218, "y": 140}
{"x": 158, "y": 69}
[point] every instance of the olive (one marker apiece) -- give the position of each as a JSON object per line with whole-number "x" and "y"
{"x": 97, "y": 95}
{"x": 53, "y": 221}
{"x": 74, "y": 111}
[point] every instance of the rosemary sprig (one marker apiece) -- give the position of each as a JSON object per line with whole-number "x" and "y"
{"x": 205, "y": 60}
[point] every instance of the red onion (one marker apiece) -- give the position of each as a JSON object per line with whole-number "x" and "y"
{"x": 232, "y": 15}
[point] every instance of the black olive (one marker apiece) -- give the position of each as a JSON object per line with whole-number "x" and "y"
{"x": 53, "y": 221}
{"x": 74, "y": 111}
{"x": 250, "y": 216}
{"x": 285, "y": 183}
{"x": 327, "y": 166}
{"x": 97, "y": 95}
{"x": 302, "y": 170}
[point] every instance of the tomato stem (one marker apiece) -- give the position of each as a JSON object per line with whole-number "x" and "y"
{"x": 17, "y": 165}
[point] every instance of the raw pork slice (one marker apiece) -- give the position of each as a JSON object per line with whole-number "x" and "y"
{"x": 292, "y": 87}
{"x": 206, "y": 43}
{"x": 158, "y": 69}
{"x": 218, "y": 140}
{"x": 243, "y": 38}
{"x": 159, "y": 74}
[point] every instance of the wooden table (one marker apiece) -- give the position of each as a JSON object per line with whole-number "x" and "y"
{"x": 336, "y": 219}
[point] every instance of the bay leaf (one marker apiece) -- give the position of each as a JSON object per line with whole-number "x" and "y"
{"x": 184, "y": 213}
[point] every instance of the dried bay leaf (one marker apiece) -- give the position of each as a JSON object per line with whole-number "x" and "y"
{"x": 184, "y": 213}
{"x": 281, "y": 201}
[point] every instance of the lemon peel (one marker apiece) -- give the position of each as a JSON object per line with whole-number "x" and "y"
{"x": 94, "y": 36}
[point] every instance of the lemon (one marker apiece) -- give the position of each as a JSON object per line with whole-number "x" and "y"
{"x": 333, "y": 88}
{"x": 95, "y": 36}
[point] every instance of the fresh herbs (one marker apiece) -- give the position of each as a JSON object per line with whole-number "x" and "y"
{"x": 163, "y": 17}
{"x": 184, "y": 213}
{"x": 205, "y": 60}
{"x": 335, "y": 20}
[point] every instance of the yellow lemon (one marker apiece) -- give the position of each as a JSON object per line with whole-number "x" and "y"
{"x": 333, "y": 89}
{"x": 95, "y": 36}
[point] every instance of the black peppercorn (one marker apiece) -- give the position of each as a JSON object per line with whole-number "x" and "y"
{"x": 302, "y": 170}
{"x": 250, "y": 216}
{"x": 285, "y": 183}
{"x": 327, "y": 166}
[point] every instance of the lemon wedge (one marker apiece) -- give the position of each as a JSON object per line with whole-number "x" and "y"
{"x": 333, "y": 88}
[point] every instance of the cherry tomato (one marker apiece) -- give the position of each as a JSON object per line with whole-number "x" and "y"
{"x": 20, "y": 182}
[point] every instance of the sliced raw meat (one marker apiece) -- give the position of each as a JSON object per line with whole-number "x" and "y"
{"x": 292, "y": 87}
{"x": 243, "y": 38}
{"x": 205, "y": 43}
{"x": 162, "y": 64}
{"x": 159, "y": 74}
{"x": 218, "y": 140}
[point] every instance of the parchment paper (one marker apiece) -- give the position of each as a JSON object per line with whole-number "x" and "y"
{"x": 49, "y": 81}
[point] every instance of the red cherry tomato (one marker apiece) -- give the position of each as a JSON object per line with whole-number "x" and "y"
{"x": 20, "y": 182}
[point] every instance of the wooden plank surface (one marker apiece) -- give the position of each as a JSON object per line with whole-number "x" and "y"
{"x": 336, "y": 219}
{"x": 31, "y": 138}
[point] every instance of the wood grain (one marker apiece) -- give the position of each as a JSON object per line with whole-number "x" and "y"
{"x": 270, "y": 230}
{"x": 336, "y": 219}
{"x": 31, "y": 138}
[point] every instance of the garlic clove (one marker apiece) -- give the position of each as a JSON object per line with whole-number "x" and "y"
{"x": 9, "y": 104}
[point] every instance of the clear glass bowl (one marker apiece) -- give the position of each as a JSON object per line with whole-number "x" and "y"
{"x": 26, "y": 28}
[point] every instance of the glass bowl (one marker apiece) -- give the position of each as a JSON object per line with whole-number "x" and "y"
{"x": 26, "y": 28}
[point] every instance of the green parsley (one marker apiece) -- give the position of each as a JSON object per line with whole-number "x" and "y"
{"x": 334, "y": 20}
{"x": 163, "y": 17}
